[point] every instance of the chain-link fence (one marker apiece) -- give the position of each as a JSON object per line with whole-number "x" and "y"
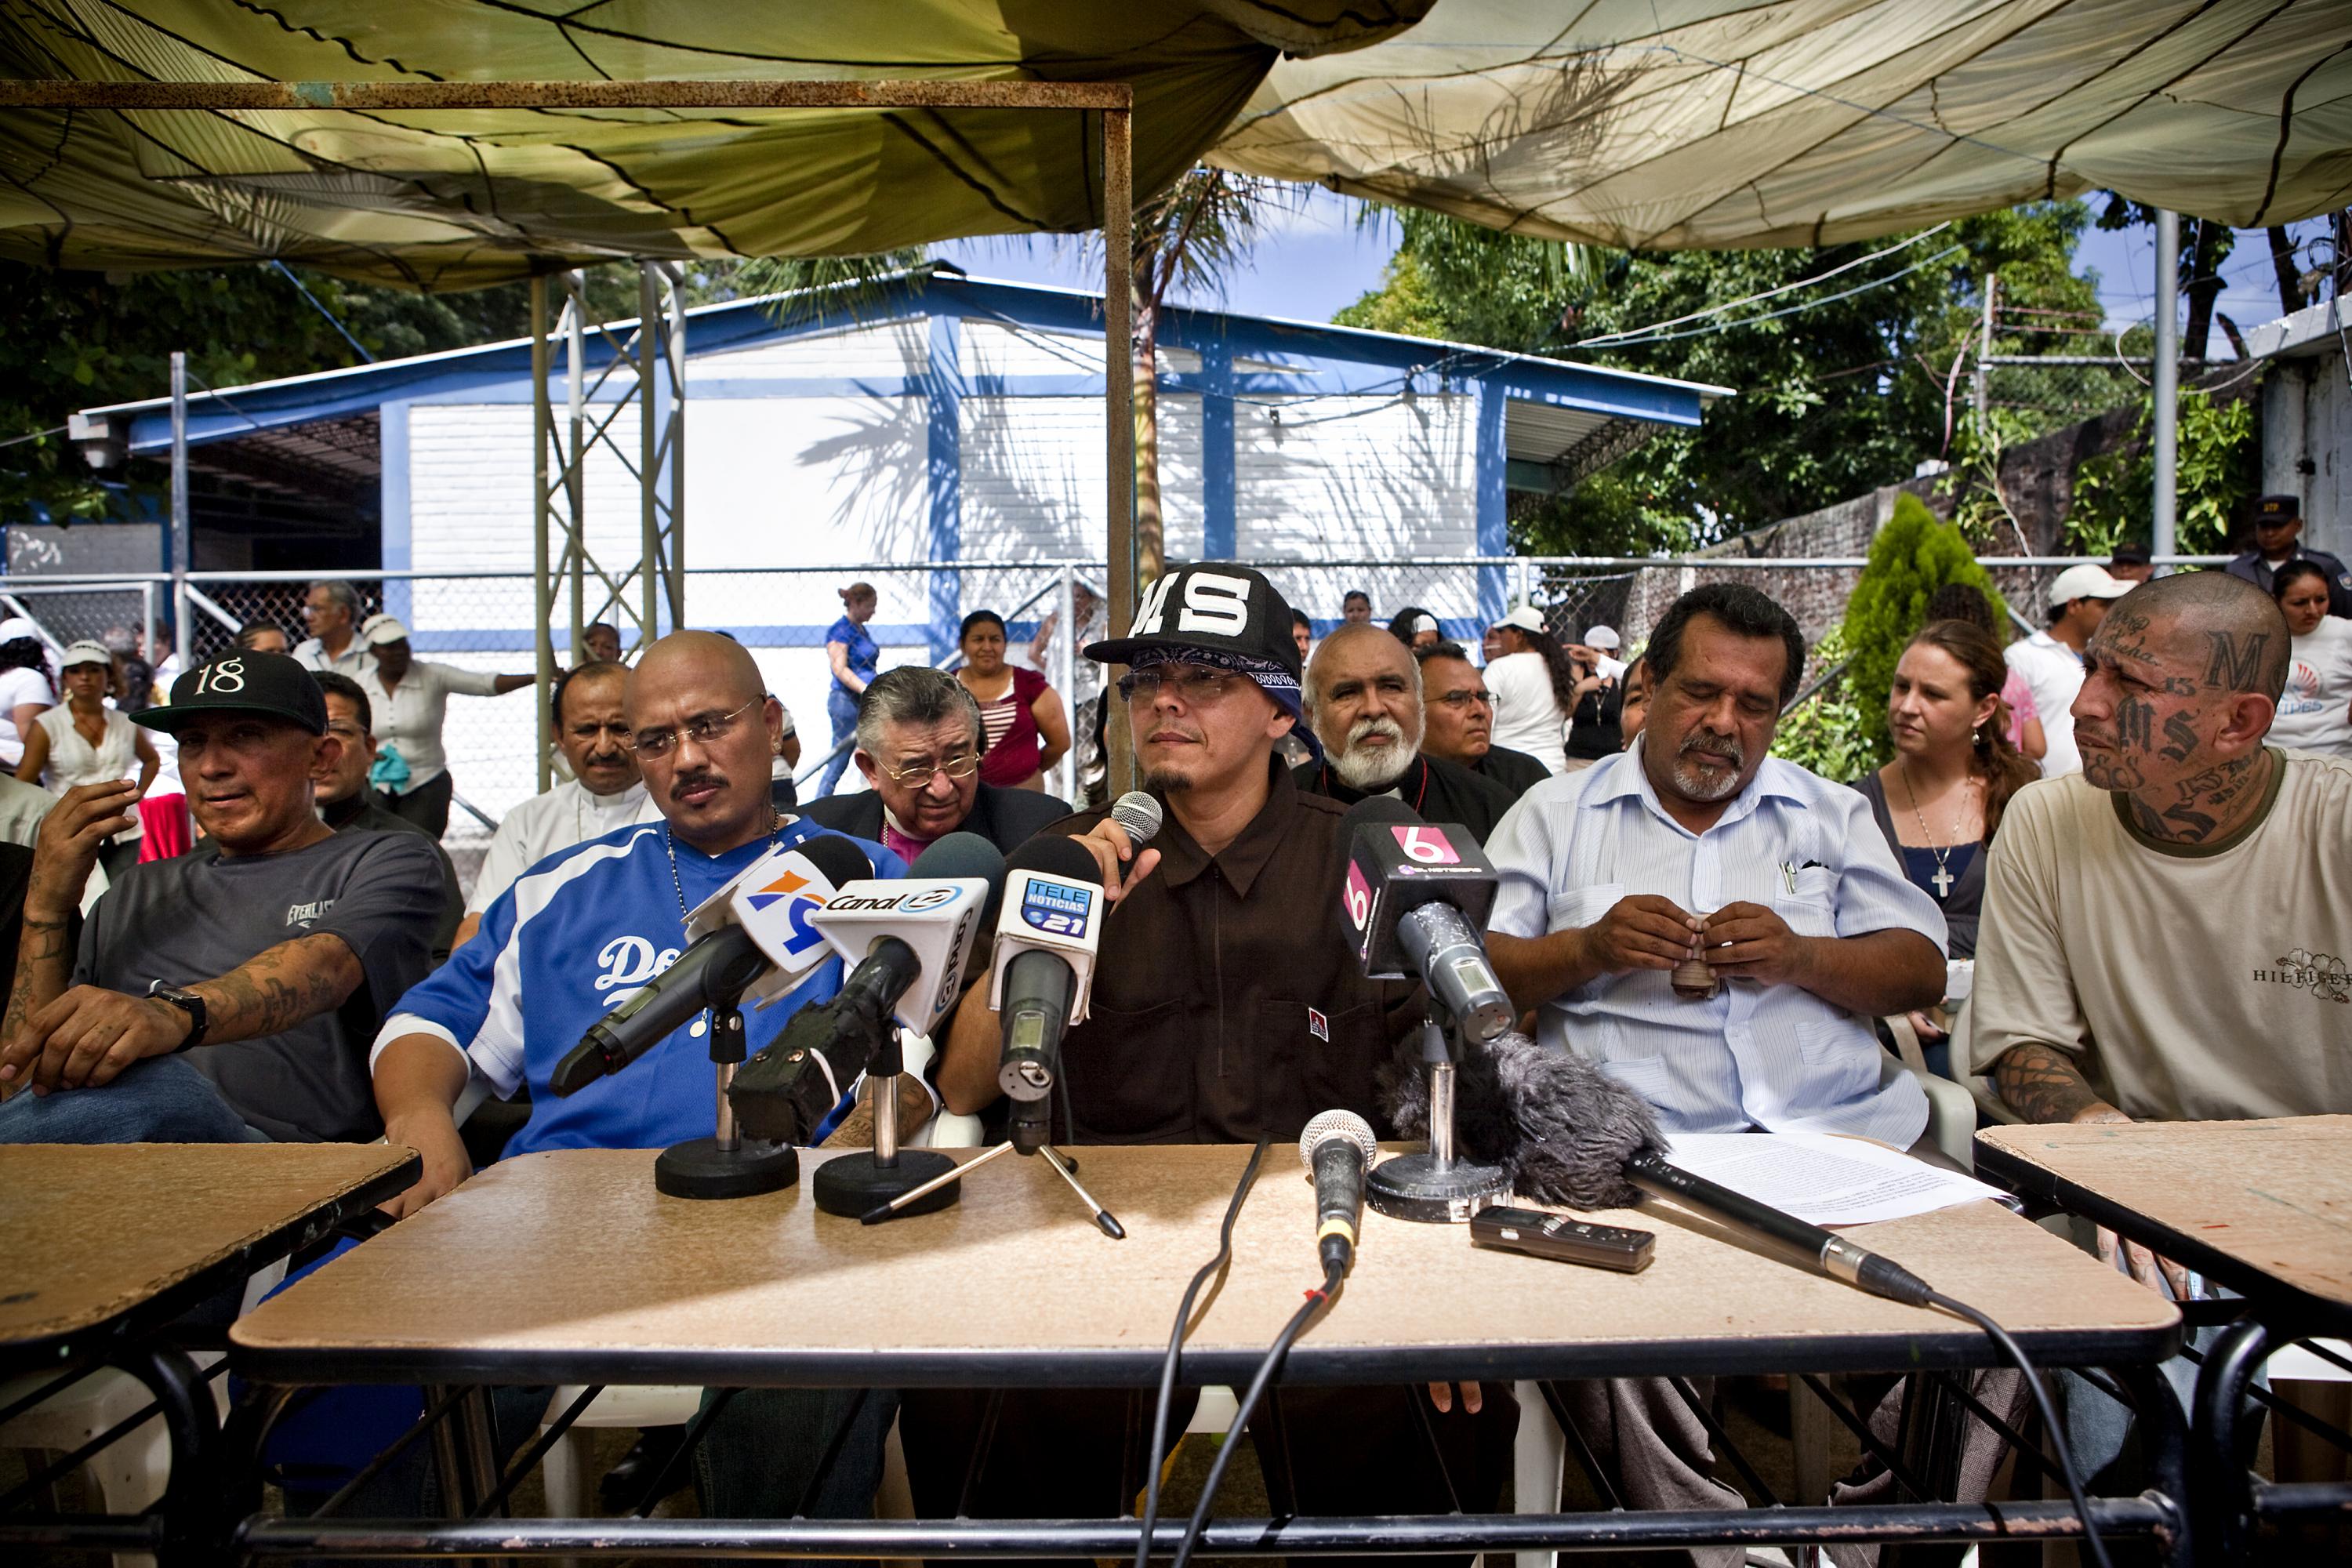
{"x": 485, "y": 621}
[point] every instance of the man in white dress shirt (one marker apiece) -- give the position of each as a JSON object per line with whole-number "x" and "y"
{"x": 331, "y": 610}
{"x": 2050, "y": 660}
{"x": 604, "y": 793}
{"x": 1697, "y": 847}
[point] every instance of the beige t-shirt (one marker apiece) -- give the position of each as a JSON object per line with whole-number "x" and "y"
{"x": 2189, "y": 984}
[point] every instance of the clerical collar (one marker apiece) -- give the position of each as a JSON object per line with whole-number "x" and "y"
{"x": 1411, "y": 786}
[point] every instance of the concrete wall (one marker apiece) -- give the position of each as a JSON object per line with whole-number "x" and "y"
{"x": 2307, "y": 443}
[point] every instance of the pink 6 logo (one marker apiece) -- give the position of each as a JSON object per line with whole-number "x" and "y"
{"x": 1427, "y": 846}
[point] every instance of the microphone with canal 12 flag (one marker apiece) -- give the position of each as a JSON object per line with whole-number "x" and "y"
{"x": 753, "y": 938}
{"x": 1042, "y": 976}
{"x": 1418, "y": 894}
{"x": 1338, "y": 1148}
{"x": 910, "y": 939}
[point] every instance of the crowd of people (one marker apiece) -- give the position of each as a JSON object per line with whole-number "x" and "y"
{"x": 2039, "y": 877}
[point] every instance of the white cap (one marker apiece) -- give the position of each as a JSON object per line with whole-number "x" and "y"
{"x": 379, "y": 629}
{"x": 1528, "y": 619}
{"x": 2086, "y": 582}
{"x": 1425, "y": 623}
{"x": 85, "y": 652}
{"x": 17, "y": 627}
{"x": 1604, "y": 637}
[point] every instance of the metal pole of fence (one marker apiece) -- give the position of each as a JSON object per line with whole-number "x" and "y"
{"x": 649, "y": 572}
{"x": 1065, "y": 674}
{"x": 575, "y": 455}
{"x": 147, "y": 629}
{"x": 543, "y": 432}
{"x": 1118, "y": 414}
{"x": 180, "y": 545}
{"x": 674, "y": 577}
{"x": 2168, "y": 376}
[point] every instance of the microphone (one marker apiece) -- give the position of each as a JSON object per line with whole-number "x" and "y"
{"x": 908, "y": 941}
{"x": 1338, "y": 1148}
{"x": 1566, "y": 1132}
{"x": 1043, "y": 974}
{"x": 753, "y": 937}
{"x": 1418, "y": 895}
{"x": 1138, "y": 812}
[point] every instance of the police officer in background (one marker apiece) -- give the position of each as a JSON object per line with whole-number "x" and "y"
{"x": 1227, "y": 1006}
{"x": 2278, "y": 524}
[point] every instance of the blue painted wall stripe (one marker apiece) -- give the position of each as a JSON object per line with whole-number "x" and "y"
{"x": 1217, "y": 500}
{"x": 1494, "y": 519}
{"x": 398, "y": 539}
{"x": 943, "y": 386}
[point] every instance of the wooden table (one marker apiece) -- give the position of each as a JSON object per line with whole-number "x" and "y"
{"x": 2263, "y": 1208}
{"x": 106, "y": 1245}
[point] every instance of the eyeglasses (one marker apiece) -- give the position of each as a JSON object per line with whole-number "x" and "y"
{"x": 1458, "y": 700}
{"x": 918, "y": 773}
{"x": 1190, "y": 681}
{"x": 703, "y": 729}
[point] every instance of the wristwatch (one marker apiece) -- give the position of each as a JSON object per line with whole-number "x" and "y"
{"x": 187, "y": 1001}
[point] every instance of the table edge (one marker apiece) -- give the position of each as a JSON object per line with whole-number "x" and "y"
{"x": 63, "y": 1350}
{"x": 2029, "y": 1179}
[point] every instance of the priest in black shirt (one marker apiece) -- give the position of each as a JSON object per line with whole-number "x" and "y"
{"x": 1363, "y": 698}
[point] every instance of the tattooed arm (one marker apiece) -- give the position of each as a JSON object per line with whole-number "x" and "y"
{"x": 89, "y": 1034}
{"x": 2044, "y": 1085}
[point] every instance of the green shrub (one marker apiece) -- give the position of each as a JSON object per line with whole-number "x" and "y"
{"x": 1915, "y": 554}
{"x": 1825, "y": 732}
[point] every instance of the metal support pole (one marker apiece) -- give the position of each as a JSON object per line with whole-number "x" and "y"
{"x": 1066, "y": 676}
{"x": 1980, "y": 383}
{"x": 1118, "y": 416}
{"x": 575, "y": 454}
{"x": 180, "y": 531}
{"x": 542, "y": 436}
{"x": 2167, "y": 380}
{"x": 650, "y": 564}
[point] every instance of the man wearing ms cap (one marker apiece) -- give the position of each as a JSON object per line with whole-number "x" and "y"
{"x": 1227, "y": 1007}
{"x": 227, "y": 994}
{"x": 2278, "y": 525}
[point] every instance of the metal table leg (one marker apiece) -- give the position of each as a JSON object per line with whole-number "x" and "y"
{"x": 183, "y": 1401}
{"x": 2221, "y": 1498}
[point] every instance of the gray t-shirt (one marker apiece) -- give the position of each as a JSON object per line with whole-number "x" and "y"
{"x": 195, "y": 917}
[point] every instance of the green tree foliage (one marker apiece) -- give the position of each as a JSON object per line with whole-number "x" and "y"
{"x": 2219, "y": 466}
{"x": 1915, "y": 554}
{"x": 1831, "y": 400}
{"x": 1828, "y": 731}
{"x": 78, "y": 339}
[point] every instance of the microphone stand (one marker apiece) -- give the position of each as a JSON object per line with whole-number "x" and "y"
{"x": 727, "y": 1165}
{"x": 1435, "y": 1187}
{"x": 1031, "y": 1127}
{"x": 921, "y": 1179}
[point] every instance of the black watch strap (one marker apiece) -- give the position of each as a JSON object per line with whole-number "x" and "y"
{"x": 187, "y": 1001}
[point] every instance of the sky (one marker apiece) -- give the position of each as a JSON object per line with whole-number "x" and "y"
{"x": 1317, "y": 259}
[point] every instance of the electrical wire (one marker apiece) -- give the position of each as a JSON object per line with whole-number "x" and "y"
{"x": 1317, "y": 1300}
{"x": 2015, "y": 1353}
{"x": 1768, "y": 294}
{"x": 1777, "y": 315}
{"x": 1175, "y": 1343}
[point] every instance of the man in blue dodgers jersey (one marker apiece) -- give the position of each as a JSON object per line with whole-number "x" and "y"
{"x": 576, "y": 934}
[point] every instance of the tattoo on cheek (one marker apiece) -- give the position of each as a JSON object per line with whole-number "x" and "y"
{"x": 2135, "y": 724}
{"x": 2181, "y": 737}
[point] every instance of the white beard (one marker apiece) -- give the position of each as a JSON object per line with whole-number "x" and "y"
{"x": 1373, "y": 771}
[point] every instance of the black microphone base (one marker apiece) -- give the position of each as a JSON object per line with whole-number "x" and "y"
{"x": 1415, "y": 1187}
{"x": 852, "y": 1185}
{"x": 700, "y": 1168}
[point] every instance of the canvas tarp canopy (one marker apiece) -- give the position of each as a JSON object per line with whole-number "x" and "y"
{"x": 453, "y": 199}
{"x": 1671, "y": 123}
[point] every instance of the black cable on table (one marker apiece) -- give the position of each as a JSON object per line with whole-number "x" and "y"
{"x": 2016, "y": 1353}
{"x": 1317, "y": 1300}
{"x": 1158, "y": 1456}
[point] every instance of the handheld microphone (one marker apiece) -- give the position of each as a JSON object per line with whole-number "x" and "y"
{"x": 752, "y": 938}
{"x": 908, "y": 941}
{"x": 1418, "y": 895}
{"x": 1338, "y": 1148}
{"x": 1138, "y": 812}
{"x": 1822, "y": 1251}
{"x": 1042, "y": 973}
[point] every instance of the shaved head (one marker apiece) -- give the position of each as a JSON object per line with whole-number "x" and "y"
{"x": 1363, "y": 698}
{"x": 712, "y": 660}
{"x": 2228, "y": 630}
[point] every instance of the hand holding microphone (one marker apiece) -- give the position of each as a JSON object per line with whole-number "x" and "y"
{"x": 1120, "y": 838}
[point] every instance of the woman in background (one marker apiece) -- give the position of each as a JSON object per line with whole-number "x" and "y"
{"x": 1938, "y": 802}
{"x": 82, "y": 740}
{"x": 1960, "y": 602}
{"x": 27, "y": 690}
{"x": 854, "y": 659}
{"x": 1534, "y": 688}
{"x": 1023, "y": 729}
{"x": 2315, "y": 711}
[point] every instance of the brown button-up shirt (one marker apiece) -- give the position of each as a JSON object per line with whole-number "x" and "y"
{"x": 1227, "y": 1002}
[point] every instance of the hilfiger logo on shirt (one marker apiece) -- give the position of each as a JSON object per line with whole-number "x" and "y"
{"x": 303, "y": 914}
{"x": 2327, "y": 975}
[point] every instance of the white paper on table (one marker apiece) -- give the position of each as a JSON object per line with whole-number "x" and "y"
{"x": 1825, "y": 1178}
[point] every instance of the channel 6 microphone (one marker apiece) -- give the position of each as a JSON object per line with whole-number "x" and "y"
{"x": 1044, "y": 969}
{"x": 907, "y": 943}
{"x": 753, "y": 938}
{"x": 1418, "y": 895}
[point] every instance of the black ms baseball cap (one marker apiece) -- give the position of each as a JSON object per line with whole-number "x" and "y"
{"x": 242, "y": 681}
{"x": 1212, "y": 607}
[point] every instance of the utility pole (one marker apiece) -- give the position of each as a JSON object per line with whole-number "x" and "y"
{"x": 180, "y": 547}
{"x": 1981, "y": 388}
{"x": 2167, "y": 380}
